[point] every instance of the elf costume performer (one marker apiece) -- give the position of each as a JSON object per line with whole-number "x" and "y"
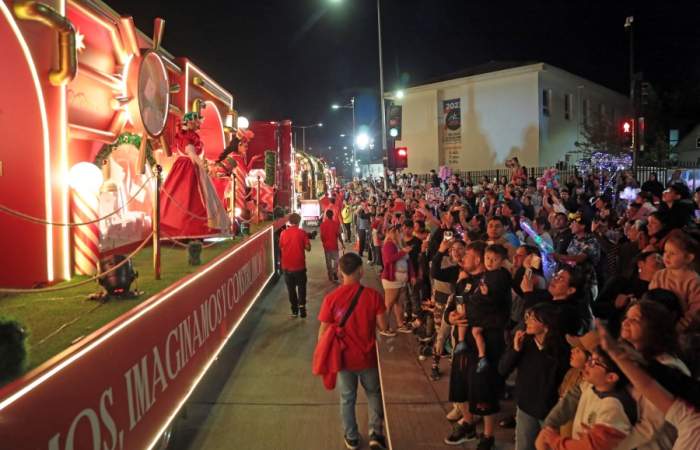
{"x": 190, "y": 207}
{"x": 234, "y": 160}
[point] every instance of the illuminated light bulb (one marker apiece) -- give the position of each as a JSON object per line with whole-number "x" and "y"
{"x": 85, "y": 177}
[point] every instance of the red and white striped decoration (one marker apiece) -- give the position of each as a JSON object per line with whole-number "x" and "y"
{"x": 86, "y": 238}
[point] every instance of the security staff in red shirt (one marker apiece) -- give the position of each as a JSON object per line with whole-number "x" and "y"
{"x": 293, "y": 243}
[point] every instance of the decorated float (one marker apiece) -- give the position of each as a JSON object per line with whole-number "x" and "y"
{"x": 113, "y": 147}
{"x": 312, "y": 181}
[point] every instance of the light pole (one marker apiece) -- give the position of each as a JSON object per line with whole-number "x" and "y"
{"x": 352, "y": 107}
{"x": 303, "y": 133}
{"x": 385, "y": 157}
{"x": 629, "y": 26}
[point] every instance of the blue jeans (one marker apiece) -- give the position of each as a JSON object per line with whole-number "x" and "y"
{"x": 347, "y": 385}
{"x": 527, "y": 428}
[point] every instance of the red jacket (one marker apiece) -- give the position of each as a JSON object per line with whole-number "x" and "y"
{"x": 390, "y": 254}
{"x": 328, "y": 356}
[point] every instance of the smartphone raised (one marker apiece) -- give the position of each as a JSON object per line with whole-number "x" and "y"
{"x": 459, "y": 301}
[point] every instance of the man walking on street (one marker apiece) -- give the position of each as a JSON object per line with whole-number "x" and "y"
{"x": 359, "y": 358}
{"x": 346, "y": 214}
{"x": 293, "y": 242}
{"x": 330, "y": 237}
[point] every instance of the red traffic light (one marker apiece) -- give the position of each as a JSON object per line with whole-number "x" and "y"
{"x": 402, "y": 152}
{"x": 626, "y": 127}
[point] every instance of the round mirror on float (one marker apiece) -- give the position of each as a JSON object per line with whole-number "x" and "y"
{"x": 149, "y": 89}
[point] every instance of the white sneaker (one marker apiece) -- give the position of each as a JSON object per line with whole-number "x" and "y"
{"x": 388, "y": 333}
{"x": 454, "y": 415}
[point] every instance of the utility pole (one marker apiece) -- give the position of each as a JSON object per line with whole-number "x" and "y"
{"x": 629, "y": 26}
{"x": 385, "y": 156}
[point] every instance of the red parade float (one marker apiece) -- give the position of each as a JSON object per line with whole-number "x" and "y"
{"x": 96, "y": 115}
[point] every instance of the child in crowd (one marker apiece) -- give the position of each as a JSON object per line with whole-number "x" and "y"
{"x": 604, "y": 413}
{"x": 581, "y": 349}
{"x": 485, "y": 308}
{"x": 680, "y": 277}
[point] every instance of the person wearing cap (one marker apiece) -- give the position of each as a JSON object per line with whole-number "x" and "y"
{"x": 584, "y": 252}
{"x": 581, "y": 349}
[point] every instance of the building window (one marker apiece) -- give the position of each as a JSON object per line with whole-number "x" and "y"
{"x": 568, "y": 101}
{"x": 602, "y": 111}
{"x": 613, "y": 115}
{"x": 546, "y": 101}
{"x": 585, "y": 111}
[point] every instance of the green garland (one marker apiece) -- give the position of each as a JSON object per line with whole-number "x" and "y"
{"x": 124, "y": 138}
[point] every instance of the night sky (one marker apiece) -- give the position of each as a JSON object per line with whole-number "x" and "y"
{"x": 294, "y": 58}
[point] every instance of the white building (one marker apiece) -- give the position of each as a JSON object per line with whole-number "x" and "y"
{"x": 499, "y": 110}
{"x": 688, "y": 149}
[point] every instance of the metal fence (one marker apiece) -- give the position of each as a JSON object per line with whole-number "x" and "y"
{"x": 690, "y": 172}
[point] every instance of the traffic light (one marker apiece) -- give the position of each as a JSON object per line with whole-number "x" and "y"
{"x": 400, "y": 157}
{"x": 394, "y": 122}
{"x": 627, "y": 133}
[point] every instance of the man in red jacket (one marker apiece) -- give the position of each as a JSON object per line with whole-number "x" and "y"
{"x": 330, "y": 237}
{"x": 359, "y": 359}
{"x": 293, "y": 243}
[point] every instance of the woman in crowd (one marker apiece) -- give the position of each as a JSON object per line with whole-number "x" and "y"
{"x": 541, "y": 356}
{"x": 649, "y": 327}
{"x": 395, "y": 276}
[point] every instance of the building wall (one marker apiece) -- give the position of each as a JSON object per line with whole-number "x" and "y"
{"x": 502, "y": 117}
{"x": 559, "y": 134}
{"x": 499, "y": 120}
{"x": 419, "y": 130}
{"x": 687, "y": 149}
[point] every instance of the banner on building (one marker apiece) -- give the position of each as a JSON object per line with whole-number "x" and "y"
{"x": 451, "y": 131}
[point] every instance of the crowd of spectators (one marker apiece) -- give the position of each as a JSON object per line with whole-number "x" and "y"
{"x": 586, "y": 301}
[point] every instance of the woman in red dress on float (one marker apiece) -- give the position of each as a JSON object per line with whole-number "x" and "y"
{"x": 190, "y": 207}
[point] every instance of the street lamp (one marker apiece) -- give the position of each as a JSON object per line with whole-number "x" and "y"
{"x": 303, "y": 133}
{"x": 351, "y": 106}
{"x": 362, "y": 141}
{"x": 381, "y": 89}
{"x": 381, "y": 94}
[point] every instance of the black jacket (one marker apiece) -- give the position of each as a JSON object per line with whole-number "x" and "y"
{"x": 654, "y": 187}
{"x": 679, "y": 214}
{"x": 540, "y": 373}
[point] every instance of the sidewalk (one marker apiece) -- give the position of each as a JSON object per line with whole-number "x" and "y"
{"x": 260, "y": 394}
